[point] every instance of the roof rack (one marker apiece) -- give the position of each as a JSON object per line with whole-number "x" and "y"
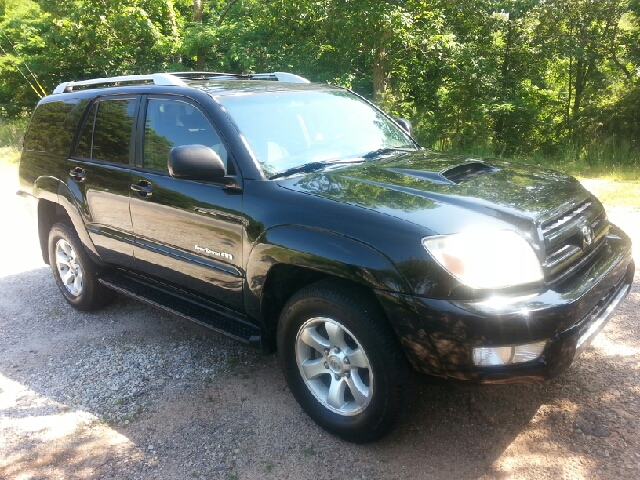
{"x": 177, "y": 79}
{"x": 156, "y": 78}
{"x": 279, "y": 76}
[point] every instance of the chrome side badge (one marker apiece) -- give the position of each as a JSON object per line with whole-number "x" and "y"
{"x": 206, "y": 250}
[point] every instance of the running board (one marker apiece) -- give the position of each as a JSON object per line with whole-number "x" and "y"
{"x": 224, "y": 322}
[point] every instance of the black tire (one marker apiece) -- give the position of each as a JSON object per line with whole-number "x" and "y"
{"x": 80, "y": 286}
{"x": 367, "y": 401}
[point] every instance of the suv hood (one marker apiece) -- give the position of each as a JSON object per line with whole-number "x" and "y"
{"x": 465, "y": 191}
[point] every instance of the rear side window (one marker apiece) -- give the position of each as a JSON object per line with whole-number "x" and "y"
{"x": 106, "y": 134}
{"x": 50, "y": 129}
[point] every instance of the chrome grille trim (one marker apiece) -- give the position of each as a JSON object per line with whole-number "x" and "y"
{"x": 564, "y": 241}
{"x": 568, "y": 216}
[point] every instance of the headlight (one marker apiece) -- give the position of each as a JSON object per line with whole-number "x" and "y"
{"x": 486, "y": 259}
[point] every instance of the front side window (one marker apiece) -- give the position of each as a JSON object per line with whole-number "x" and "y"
{"x": 288, "y": 129}
{"x": 172, "y": 123}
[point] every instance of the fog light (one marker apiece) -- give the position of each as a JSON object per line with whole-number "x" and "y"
{"x": 492, "y": 356}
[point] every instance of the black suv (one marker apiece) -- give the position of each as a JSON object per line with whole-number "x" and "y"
{"x": 300, "y": 217}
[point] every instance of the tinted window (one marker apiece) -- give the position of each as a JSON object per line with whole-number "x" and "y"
{"x": 171, "y": 123}
{"x": 48, "y": 131}
{"x": 112, "y": 134}
{"x": 84, "y": 144}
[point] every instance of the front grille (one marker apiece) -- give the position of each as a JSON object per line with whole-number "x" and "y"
{"x": 572, "y": 239}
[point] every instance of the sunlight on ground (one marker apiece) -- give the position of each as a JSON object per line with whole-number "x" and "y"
{"x": 19, "y": 246}
{"x": 46, "y": 439}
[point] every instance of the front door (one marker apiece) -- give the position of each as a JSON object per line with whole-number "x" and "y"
{"x": 188, "y": 233}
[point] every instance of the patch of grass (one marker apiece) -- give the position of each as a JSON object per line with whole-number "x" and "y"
{"x": 11, "y": 133}
{"x": 309, "y": 451}
{"x": 9, "y": 155}
{"x": 615, "y": 192}
{"x": 608, "y": 168}
{"x": 270, "y": 466}
{"x": 233, "y": 476}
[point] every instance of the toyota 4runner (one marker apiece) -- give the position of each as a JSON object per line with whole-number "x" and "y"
{"x": 299, "y": 217}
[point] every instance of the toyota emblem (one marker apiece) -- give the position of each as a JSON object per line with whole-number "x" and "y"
{"x": 587, "y": 236}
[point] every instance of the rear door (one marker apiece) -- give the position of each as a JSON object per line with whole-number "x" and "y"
{"x": 99, "y": 175}
{"x": 188, "y": 233}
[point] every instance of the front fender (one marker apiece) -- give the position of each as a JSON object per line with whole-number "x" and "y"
{"x": 321, "y": 251}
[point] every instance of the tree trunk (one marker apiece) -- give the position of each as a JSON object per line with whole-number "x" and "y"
{"x": 507, "y": 88}
{"x": 197, "y": 18}
{"x": 380, "y": 75}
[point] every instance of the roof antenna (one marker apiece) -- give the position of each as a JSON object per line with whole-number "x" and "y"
{"x": 42, "y": 92}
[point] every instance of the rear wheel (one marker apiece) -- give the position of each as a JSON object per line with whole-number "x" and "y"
{"x": 341, "y": 361}
{"x": 75, "y": 273}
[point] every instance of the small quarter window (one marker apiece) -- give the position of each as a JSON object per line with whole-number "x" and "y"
{"x": 48, "y": 131}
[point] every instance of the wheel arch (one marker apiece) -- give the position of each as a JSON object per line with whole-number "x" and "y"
{"x": 55, "y": 204}
{"x": 286, "y": 259}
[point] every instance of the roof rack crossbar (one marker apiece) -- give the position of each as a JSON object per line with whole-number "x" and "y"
{"x": 177, "y": 79}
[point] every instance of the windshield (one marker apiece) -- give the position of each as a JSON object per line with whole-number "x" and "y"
{"x": 289, "y": 129}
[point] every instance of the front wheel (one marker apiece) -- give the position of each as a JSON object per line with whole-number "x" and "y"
{"x": 341, "y": 361}
{"x": 75, "y": 273}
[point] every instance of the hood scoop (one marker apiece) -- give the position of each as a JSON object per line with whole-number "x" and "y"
{"x": 467, "y": 171}
{"x": 450, "y": 176}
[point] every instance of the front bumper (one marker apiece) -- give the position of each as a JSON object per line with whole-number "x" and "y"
{"x": 567, "y": 317}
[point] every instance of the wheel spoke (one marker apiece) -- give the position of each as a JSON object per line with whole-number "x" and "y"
{"x": 62, "y": 258}
{"x": 336, "y": 393}
{"x": 358, "y": 389}
{"x": 77, "y": 284}
{"x": 314, "y": 368}
{"x": 312, "y": 338}
{"x": 67, "y": 277}
{"x": 357, "y": 358}
{"x": 66, "y": 248}
{"x": 336, "y": 335}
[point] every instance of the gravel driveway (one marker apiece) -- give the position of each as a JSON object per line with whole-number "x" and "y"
{"x": 132, "y": 392}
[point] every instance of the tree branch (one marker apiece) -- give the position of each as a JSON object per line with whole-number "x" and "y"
{"x": 225, "y": 12}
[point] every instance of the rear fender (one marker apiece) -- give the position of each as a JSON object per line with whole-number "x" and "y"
{"x": 52, "y": 190}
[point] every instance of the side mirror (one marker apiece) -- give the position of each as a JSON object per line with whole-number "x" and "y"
{"x": 195, "y": 162}
{"x": 405, "y": 124}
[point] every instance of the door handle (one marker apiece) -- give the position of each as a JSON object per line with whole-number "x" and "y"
{"x": 143, "y": 188}
{"x": 77, "y": 174}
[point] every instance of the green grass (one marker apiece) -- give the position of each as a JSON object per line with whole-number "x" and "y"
{"x": 11, "y": 133}
{"x": 611, "y": 170}
{"x": 9, "y": 155}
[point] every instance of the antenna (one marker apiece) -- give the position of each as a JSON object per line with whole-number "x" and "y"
{"x": 42, "y": 92}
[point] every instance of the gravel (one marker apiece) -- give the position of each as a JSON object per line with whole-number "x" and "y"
{"x": 135, "y": 393}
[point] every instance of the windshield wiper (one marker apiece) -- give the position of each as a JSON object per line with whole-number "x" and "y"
{"x": 383, "y": 150}
{"x": 312, "y": 167}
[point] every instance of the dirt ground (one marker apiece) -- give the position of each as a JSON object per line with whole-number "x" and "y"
{"x": 132, "y": 392}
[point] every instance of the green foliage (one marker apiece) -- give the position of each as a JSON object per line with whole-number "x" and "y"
{"x": 504, "y": 77}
